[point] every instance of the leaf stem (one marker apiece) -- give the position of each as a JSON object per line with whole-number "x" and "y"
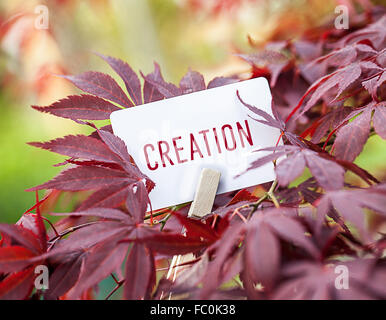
{"x": 67, "y": 231}
{"x": 163, "y": 221}
{"x": 271, "y": 194}
{"x": 267, "y": 195}
{"x": 51, "y": 225}
{"x": 147, "y": 217}
{"x": 115, "y": 278}
{"x": 119, "y": 284}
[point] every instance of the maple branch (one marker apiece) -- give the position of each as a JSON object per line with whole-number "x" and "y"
{"x": 237, "y": 211}
{"x": 271, "y": 195}
{"x": 267, "y": 195}
{"x": 256, "y": 204}
{"x": 164, "y": 211}
{"x": 67, "y": 231}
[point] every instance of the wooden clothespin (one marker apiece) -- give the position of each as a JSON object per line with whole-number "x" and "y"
{"x": 205, "y": 193}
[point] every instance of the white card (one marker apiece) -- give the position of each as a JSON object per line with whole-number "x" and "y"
{"x": 172, "y": 140}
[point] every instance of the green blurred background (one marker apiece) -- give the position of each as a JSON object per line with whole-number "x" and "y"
{"x": 176, "y": 33}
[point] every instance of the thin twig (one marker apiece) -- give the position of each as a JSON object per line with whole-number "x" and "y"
{"x": 268, "y": 195}
{"x": 256, "y": 204}
{"x": 67, "y": 231}
{"x": 115, "y": 278}
{"x": 52, "y": 226}
{"x": 163, "y": 221}
{"x": 271, "y": 194}
{"x": 119, "y": 284}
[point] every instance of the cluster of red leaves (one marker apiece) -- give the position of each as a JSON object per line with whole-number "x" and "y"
{"x": 282, "y": 245}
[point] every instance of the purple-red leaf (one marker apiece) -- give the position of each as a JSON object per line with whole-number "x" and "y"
{"x": 84, "y": 178}
{"x": 107, "y": 256}
{"x": 264, "y": 160}
{"x": 150, "y": 92}
{"x": 17, "y": 286}
{"x": 379, "y": 120}
{"x": 139, "y": 273}
{"x": 192, "y": 81}
{"x": 221, "y": 81}
{"x": 172, "y": 244}
{"x": 351, "y": 138}
{"x": 64, "y": 277}
{"x": 79, "y": 146}
{"x": 34, "y": 223}
{"x": 101, "y": 85}
{"x": 109, "y": 197}
{"x": 261, "y": 255}
{"x": 21, "y": 235}
{"x": 374, "y": 31}
{"x": 117, "y": 146}
{"x": 272, "y": 59}
{"x": 290, "y": 230}
{"x": 90, "y": 235}
{"x": 345, "y": 55}
{"x": 137, "y": 201}
{"x": 341, "y": 78}
{"x": 84, "y": 106}
{"x": 129, "y": 77}
{"x": 14, "y": 258}
{"x": 329, "y": 174}
{"x": 196, "y": 228}
{"x": 168, "y": 90}
{"x": 269, "y": 120}
{"x": 290, "y": 168}
{"x": 104, "y": 213}
{"x": 350, "y": 203}
{"x": 374, "y": 83}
